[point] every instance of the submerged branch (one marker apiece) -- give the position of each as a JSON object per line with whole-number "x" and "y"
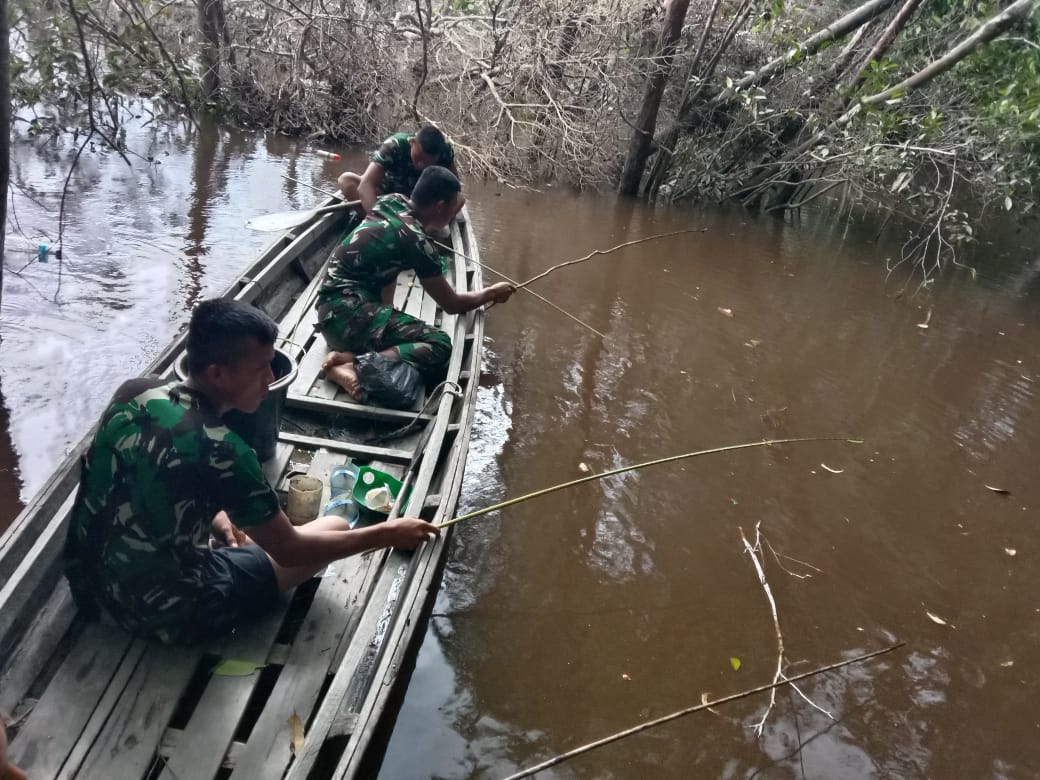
{"x": 689, "y": 710}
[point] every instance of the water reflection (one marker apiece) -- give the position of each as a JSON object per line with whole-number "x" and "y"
{"x": 581, "y": 614}
{"x": 141, "y": 245}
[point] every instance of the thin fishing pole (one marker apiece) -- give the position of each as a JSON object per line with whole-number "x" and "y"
{"x": 513, "y": 282}
{"x": 316, "y": 189}
{"x": 595, "y": 252}
{"x": 659, "y": 461}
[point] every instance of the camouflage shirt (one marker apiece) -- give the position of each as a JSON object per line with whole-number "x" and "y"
{"x": 388, "y": 241}
{"x": 161, "y": 465}
{"x": 400, "y": 174}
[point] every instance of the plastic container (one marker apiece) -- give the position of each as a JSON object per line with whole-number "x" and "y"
{"x": 259, "y": 428}
{"x": 304, "y": 499}
{"x": 342, "y": 480}
{"x": 369, "y": 479}
{"x": 346, "y": 508}
{"x": 328, "y": 155}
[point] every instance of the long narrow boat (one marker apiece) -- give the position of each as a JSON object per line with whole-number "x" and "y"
{"x": 310, "y": 691}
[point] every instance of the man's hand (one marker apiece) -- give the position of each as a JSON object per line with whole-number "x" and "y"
{"x": 225, "y": 533}
{"x": 500, "y": 292}
{"x": 407, "y": 533}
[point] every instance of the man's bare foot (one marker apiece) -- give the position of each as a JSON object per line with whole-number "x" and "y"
{"x": 335, "y": 358}
{"x": 344, "y": 375}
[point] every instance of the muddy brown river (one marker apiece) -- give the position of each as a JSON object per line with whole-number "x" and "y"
{"x": 568, "y": 618}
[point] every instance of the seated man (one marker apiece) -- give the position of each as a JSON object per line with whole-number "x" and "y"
{"x": 396, "y": 166}
{"x": 355, "y": 302}
{"x": 163, "y": 475}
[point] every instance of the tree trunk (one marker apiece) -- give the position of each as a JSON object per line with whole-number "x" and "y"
{"x": 643, "y": 132}
{"x": 884, "y": 43}
{"x": 811, "y": 45}
{"x": 850, "y": 22}
{"x": 666, "y": 144}
{"x": 213, "y": 27}
{"x": 1014, "y": 14}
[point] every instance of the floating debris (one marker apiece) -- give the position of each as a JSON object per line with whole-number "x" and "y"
{"x": 936, "y": 619}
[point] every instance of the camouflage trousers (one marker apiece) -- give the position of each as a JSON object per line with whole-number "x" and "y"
{"x": 352, "y": 324}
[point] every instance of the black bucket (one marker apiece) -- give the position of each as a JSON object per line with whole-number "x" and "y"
{"x": 259, "y": 428}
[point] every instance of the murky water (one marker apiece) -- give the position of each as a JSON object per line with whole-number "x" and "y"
{"x": 568, "y": 618}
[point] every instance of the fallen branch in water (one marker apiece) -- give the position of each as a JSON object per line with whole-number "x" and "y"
{"x": 607, "y": 252}
{"x": 705, "y": 705}
{"x": 778, "y": 677}
{"x": 659, "y": 461}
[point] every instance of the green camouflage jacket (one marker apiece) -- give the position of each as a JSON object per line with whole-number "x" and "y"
{"x": 400, "y": 174}
{"x": 161, "y": 465}
{"x": 388, "y": 241}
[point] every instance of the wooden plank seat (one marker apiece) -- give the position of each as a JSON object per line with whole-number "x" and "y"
{"x": 310, "y": 383}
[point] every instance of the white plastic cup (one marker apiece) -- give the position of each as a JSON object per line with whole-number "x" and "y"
{"x": 304, "y": 499}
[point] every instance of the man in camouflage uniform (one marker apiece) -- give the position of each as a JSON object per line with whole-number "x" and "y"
{"x": 355, "y": 302}
{"x": 157, "y": 533}
{"x": 396, "y": 165}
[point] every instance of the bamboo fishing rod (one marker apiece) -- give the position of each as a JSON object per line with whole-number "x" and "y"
{"x": 703, "y": 706}
{"x": 513, "y": 282}
{"x": 657, "y": 462}
{"x": 311, "y": 186}
{"x": 595, "y": 252}
{"x": 516, "y": 285}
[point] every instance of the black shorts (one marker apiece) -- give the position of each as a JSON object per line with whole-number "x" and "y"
{"x": 238, "y": 583}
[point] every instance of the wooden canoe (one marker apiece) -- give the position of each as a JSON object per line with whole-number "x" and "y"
{"x": 311, "y": 691}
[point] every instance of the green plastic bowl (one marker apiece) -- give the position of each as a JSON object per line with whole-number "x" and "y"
{"x": 370, "y": 479}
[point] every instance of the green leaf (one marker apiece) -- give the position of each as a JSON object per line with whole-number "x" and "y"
{"x": 229, "y": 667}
{"x": 735, "y": 663}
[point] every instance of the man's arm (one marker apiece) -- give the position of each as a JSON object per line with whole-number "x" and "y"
{"x": 458, "y": 303}
{"x": 368, "y": 189}
{"x": 312, "y": 545}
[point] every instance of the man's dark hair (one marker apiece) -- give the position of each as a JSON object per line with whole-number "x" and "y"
{"x": 218, "y": 329}
{"x": 432, "y": 140}
{"x": 435, "y": 184}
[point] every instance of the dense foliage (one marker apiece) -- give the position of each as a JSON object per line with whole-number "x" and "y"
{"x": 756, "y": 104}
